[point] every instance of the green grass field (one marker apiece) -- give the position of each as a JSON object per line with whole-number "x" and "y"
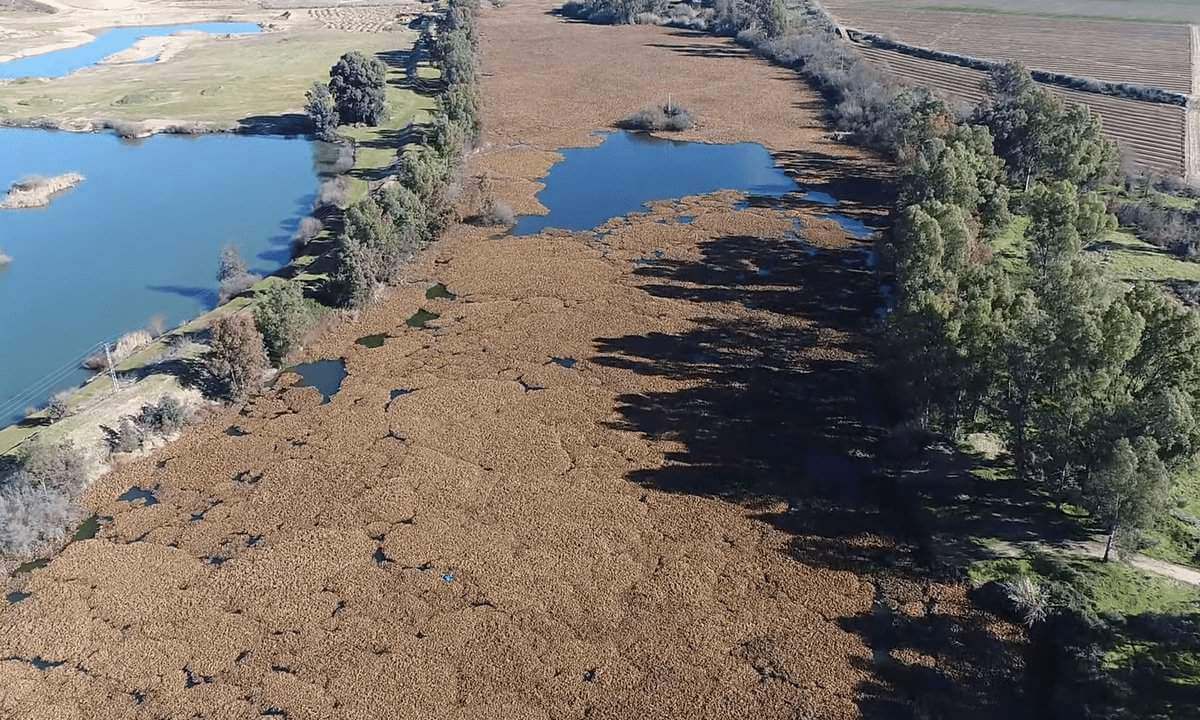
{"x": 216, "y": 80}
{"x": 376, "y": 147}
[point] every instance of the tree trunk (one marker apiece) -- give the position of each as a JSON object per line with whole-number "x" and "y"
{"x": 1108, "y": 545}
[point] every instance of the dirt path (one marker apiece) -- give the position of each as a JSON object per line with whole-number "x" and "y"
{"x": 677, "y": 524}
{"x": 1181, "y": 573}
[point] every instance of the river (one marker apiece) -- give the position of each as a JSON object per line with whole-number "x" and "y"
{"x": 138, "y": 238}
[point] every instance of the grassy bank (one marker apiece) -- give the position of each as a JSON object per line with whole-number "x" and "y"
{"x": 247, "y": 80}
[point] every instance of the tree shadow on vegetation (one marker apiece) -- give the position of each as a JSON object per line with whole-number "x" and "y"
{"x": 391, "y": 140}
{"x": 288, "y": 124}
{"x": 785, "y": 420}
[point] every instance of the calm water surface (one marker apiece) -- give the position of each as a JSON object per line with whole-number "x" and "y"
{"x": 64, "y": 62}
{"x": 139, "y": 237}
{"x": 628, "y": 170}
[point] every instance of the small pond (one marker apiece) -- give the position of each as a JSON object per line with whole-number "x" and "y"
{"x": 58, "y": 63}
{"x": 628, "y": 170}
{"x": 324, "y": 375}
{"x": 138, "y": 238}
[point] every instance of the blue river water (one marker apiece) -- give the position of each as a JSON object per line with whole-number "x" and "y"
{"x": 627, "y": 170}
{"x": 64, "y": 62}
{"x": 139, "y": 237}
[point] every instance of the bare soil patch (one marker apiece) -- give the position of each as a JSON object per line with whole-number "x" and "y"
{"x": 623, "y": 474}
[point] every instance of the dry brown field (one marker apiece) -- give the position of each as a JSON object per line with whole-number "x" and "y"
{"x": 1151, "y": 134}
{"x": 1158, "y": 55}
{"x": 508, "y": 537}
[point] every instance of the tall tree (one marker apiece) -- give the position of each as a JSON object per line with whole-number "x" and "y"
{"x": 358, "y": 85}
{"x": 1128, "y": 490}
{"x": 321, "y": 110}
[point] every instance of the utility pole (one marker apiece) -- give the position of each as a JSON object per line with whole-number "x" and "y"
{"x": 112, "y": 373}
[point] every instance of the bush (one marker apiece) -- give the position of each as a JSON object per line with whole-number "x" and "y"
{"x": 1175, "y": 230}
{"x": 309, "y": 228}
{"x": 613, "y": 12}
{"x": 322, "y": 111}
{"x": 282, "y": 317}
{"x": 126, "y": 345}
{"x": 358, "y": 83}
{"x": 236, "y": 355}
{"x": 1029, "y": 598}
{"x": 58, "y": 408}
{"x": 659, "y": 117}
{"x": 333, "y": 192}
{"x": 165, "y": 417}
{"x": 233, "y": 275}
{"x": 496, "y": 212}
{"x": 32, "y": 517}
{"x": 59, "y": 465}
{"x": 127, "y": 438}
{"x": 156, "y": 325}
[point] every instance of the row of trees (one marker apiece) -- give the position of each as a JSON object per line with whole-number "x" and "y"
{"x": 384, "y": 230}
{"x": 1092, "y": 382}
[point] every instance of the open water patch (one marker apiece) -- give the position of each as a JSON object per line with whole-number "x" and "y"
{"x": 324, "y": 375}
{"x": 857, "y": 228}
{"x": 136, "y": 493}
{"x": 58, "y": 63}
{"x": 439, "y": 292}
{"x": 372, "y": 341}
{"x": 89, "y": 528}
{"x": 628, "y": 170}
{"x": 420, "y": 317}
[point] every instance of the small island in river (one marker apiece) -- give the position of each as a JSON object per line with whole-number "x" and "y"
{"x": 36, "y": 191}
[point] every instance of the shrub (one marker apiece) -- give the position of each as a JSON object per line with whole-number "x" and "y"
{"x": 1175, "y": 230}
{"x": 497, "y": 212}
{"x": 233, "y": 275}
{"x": 59, "y": 465}
{"x": 156, "y": 325}
{"x": 333, "y": 192}
{"x": 659, "y": 117}
{"x": 1029, "y": 598}
{"x": 322, "y": 111}
{"x": 126, "y": 345}
{"x": 309, "y": 228}
{"x": 58, "y": 408}
{"x": 358, "y": 83}
{"x": 282, "y": 317}
{"x": 127, "y": 438}
{"x": 166, "y": 416}
{"x": 32, "y": 517}
{"x": 236, "y": 355}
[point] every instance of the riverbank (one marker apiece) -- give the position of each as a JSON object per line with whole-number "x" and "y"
{"x": 376, "y": 149}
{"x": 583, "y": 488}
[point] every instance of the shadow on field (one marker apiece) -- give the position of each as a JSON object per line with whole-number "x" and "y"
{"x": 289, "y": 124}
{"x": 784, "y": 415}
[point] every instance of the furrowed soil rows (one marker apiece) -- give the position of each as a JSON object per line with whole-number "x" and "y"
{"x": 1152, "y": 134}
{"x": 1151, "y": 54}
{"x": 364, "y": 19}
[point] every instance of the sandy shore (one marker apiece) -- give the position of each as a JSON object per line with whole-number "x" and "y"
{"x": 161, "y": 47}
{"x": 470, "y": 529}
